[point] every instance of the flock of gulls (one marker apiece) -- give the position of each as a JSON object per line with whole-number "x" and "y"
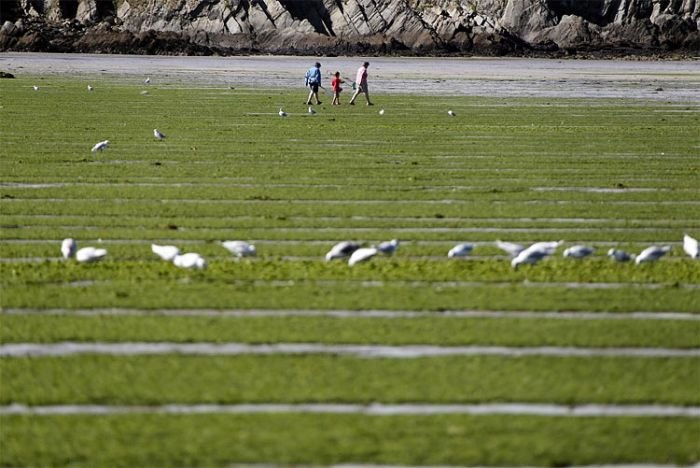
{"x": 102, "y": 145}
{"x": 355, "y": 253}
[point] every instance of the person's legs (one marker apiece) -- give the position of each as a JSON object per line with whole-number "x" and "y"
{"x": 357, "y": 92}
{"x": 313, "y": 94}
{"x": 365, "y": 88}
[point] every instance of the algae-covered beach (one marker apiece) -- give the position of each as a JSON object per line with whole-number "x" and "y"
{"x": 405, "y": 359}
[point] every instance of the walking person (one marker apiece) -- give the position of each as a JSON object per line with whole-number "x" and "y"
{"x": 361, "y": 81}
{"x": 335, "y": 86}
{"x": 313, "y": 81}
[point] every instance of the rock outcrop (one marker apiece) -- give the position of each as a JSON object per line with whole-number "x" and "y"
{"x": 349, "y": 26}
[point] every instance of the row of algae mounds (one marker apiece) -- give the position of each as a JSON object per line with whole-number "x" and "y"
{"x": 230, "y": 167}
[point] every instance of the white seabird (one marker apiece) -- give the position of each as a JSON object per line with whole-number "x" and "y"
{"x": 651, "y": 254}
{"x": 100, "y": 146}
{"x": 35, "y": 88}
{"x": 529, "y": 257}
{"x": 451, "y": 114}
{"x": 190, "y": 260}
{"x": 90, "y": 88}
{"x": 690, "y": 246}
{"x": 147, "y": 80}
{"x": 166, "y": 252}
{"x": 282, "y": 113}
{"x": 68, "y": 248}
{"x": 240, "y": 248}
{"x": 535, "y": 253}
{"x": 361, "y": 255}
{"x": 578, "y": 251}
{"x": 388, "y": 247}
{"x": 460, "y": 250}
{"x": 342, "y": 250}
{"x": 157, "y": 134}
{"x": 90, "y": 254}
{"x": 381, "y": 111}
{"x": 619, "y": 255}
{"x": 510, "y": 248}
{"x": 549, "y": 246}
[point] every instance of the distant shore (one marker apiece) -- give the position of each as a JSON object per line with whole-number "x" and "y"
{"x": 478, "y": 76}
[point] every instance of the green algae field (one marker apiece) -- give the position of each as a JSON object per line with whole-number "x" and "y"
{"x": 285, "y": 358}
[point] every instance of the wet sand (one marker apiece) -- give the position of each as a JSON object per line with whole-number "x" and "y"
{"x": 374, "y": 409}
{"x": 676, "y": 81}
{"x": 14, "y": 350}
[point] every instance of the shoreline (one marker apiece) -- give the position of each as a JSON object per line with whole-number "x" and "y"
{"x": 677, "y": 81}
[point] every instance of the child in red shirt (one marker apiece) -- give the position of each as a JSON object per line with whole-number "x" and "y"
{"x": 335, "y": 85}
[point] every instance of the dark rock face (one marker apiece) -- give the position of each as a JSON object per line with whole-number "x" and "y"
{"x": 490, "y": 27}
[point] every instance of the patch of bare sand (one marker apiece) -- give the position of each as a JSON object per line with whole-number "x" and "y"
{"x": 677, "y": 81}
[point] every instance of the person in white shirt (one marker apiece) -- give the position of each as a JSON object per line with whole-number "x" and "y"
{"x": 361, "y": 82}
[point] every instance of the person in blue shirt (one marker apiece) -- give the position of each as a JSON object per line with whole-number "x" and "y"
{"x": 313, "y": 81}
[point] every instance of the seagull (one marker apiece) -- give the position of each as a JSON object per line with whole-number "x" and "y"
{"x": 190, "y": 260}
{"x": 549, "y": 247}
{"x": 147, "y": 81}
{"x": 619, "y": 255}
{"x": 239, "y": 248}
{"x": 528, "y": 256}
{"x": 460, "y": 250}
{"x": 451, "y": 113}
{"x": 100, "y": 146}
{"x": 90, "y": 254}
{"x": 651, "y": 254}
{"x": 84, "y": 255}
{"x": 68, "y": 247}
{"x": 342, "y": 250}
{"x": 166, "y": 252}
{"x": 282, "y": 113}
{"x": 90, "y": 88}
{"x": 578, "y": 251}
{"x": 690, "y": 246}
{"x": 510, "y": 248}
{"x": 361, "y": 255}
{"x": 381, "y": 112}
{"x": 158, "y": 134}
{"x": 535, "y": 253}
{"x": 389, "y": 247}
{"x": 35, "y": 88}
{"x": 311, "y": 110}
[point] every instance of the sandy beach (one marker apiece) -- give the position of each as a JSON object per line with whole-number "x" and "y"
{"x": 677, "y": 81}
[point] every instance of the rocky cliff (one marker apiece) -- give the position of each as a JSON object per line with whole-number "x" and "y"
{"x": 349, "y": 26}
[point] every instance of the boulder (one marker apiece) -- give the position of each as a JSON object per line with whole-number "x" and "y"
{"x": 8, "y": 29}
{"x": 674, "y": 30}
{"x": 633, "y": 33}
{"x": 571, "y": 31}
{"x": 527, "y": 18}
